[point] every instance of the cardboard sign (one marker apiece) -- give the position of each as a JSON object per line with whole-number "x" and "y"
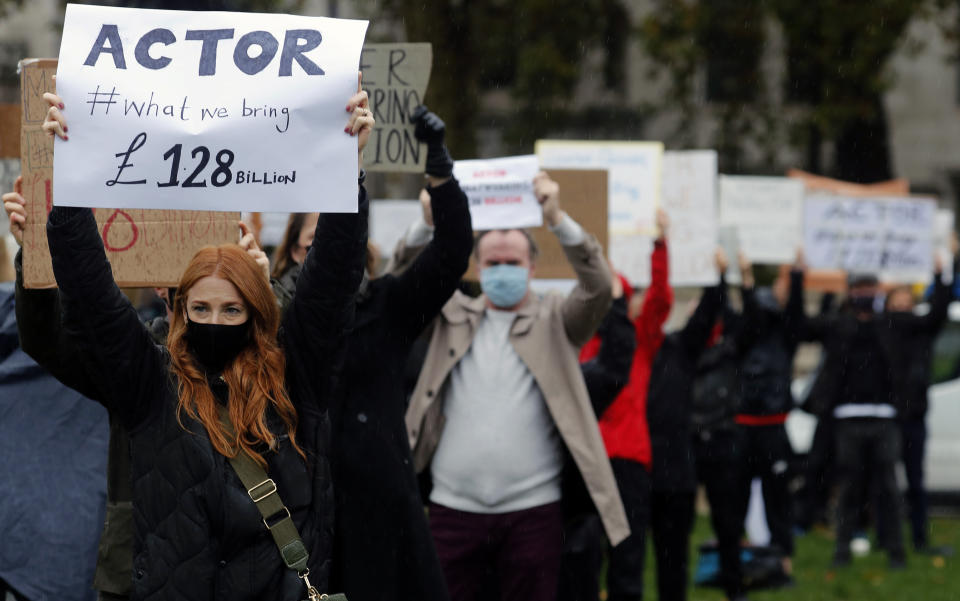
{"x": 395, "y": 77}
{"x": 145, "y": 248}
{"x": 634, "y": 188}
{"x": 583, "y": 195}
{"x": 817, "y": 183}
{"x": 893, "y": 237}
{"x": 9, "y": 131}
{"x": 207, "y": 110}
{"x": 768, "y": 215}
{"x": 500, "y": 192}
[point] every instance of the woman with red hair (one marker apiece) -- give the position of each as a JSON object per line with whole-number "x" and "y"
{"x": 198, "y": 535}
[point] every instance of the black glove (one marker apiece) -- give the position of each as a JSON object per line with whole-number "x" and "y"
{"x": 429, "y": 128}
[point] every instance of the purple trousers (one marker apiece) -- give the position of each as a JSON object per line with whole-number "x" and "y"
{"x": 516, "y": 553}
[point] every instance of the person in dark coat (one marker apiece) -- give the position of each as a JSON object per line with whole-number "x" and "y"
{"x": 766, "y": 401}
{"x": 384, "y": 550}
{"x": 717, "y": 441}
{"x": 605, "y": 375}
{"x": 913, "y": 417}
{"x": 865, "y": 387}
{"x": 669, "y": 403}
{"x": 198, "y": 534}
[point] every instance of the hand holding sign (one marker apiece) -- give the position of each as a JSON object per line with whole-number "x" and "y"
{"x": 249, "y": 244}
{"x": 547, "y": 192}
{"x": 13, "y": 204}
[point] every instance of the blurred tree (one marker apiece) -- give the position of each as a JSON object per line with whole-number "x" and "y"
{"x": 533, "y": 48}
{"x": 8, "y": 5}
{"x": 836, "y": 54}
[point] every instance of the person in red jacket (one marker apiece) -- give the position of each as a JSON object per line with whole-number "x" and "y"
{"x": 623, "y": 424}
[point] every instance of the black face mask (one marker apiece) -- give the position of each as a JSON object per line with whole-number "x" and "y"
{"x": 216, "y": 345}
{"x": 861, "y": 304}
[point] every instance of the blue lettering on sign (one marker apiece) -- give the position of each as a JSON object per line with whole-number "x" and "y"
{"x": 296, "y": 44}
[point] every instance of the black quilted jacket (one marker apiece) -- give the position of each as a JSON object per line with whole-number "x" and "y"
{"x": 197, "y": 533}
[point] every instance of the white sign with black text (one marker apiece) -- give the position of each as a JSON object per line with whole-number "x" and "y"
{"x": 207, "y": 110}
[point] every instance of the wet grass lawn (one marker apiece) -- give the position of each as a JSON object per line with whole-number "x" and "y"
{"x": 867, "y": 579}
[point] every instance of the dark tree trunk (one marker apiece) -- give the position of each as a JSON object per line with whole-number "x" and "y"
{"x": 863, "y": 148}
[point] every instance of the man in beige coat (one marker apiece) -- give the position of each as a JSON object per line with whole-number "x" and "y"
{"x": 500, "y": 398}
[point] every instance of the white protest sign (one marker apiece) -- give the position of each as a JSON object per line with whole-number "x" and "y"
{"x": 207, "y": 110}
{"x": 500, "y": 192}
{"x": 889, "y": 236}
{"x": 689, "y": 196}
{"x": 630, "y": 256}
{"x": 395, "y": 77}
{"x": 768, "y": 215}
{"x": 634, "y": 168}
{"x": 389, "y": 221}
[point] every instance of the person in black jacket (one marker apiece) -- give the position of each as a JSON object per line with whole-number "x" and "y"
{"x": 865, "y": 387}
{"x": 766, "y": 372}
{"x": 717, "y": 441}
{"x": 198, "y": 534}
{"x": 912, "y": 418}
{"x": 669, "y": 404}
{"x": 605, "y": 375}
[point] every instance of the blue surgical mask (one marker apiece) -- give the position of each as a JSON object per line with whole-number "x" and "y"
{"x": 505, "y": 285}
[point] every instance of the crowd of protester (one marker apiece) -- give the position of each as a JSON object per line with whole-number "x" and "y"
{"x": 429, "y": 438}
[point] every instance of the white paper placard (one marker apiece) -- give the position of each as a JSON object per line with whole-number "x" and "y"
{"x": 500, "y": 192}
{"x": 630, "y": 256}
{"x": 768, "y": 215}
{"x": 634, "y": 167}
{"x": 688, "y": 194}
{"x": 892, "y": 237}
{"x": 207, "y": 110}
{"x": 389, "y": 221}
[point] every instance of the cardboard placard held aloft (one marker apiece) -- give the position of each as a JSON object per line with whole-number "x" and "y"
{"x": 395, "y": 77}
{"x": 145, "y": 247}
{"x": 583, "y": 195}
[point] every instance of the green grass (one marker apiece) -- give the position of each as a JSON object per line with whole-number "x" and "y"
{"x": 867, "y": 579}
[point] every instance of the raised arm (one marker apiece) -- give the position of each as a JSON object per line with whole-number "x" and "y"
{"x": 696, "y": 333}
{"x": 123, "y": 367}
{"x": 426, "y": 284}
{"x": 587, "y": 304}
{"x": 658, "y": 300}
{"x": 606, "y": 374}
{"x": 933, "y": 321}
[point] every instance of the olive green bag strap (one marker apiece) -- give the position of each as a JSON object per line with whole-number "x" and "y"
{"x": 276, "y": 517}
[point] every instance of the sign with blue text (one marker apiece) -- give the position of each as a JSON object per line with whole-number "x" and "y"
{"x": 500, "y": 192}
{"x": 207, "y": 110}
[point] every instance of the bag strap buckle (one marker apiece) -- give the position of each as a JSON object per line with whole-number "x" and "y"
{"x": 268, "y": 487}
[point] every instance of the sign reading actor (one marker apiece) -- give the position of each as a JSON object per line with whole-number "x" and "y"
{"x": 207, "y": 110}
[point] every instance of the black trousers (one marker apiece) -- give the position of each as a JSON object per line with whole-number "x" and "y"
{"x": 817, "y": 477}
{"x": 625, "y": 571}
{"x": 719, "y": 457}
{"x": 584, "y": 544}
{"x": 767, "y": 455}
{"x": 868, "y": 449}
{"x": 671, "y": 522}
{"x": 914, "y": 438}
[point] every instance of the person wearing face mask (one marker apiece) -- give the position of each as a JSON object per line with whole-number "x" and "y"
{"x": 499, "y": 400}
{"x": 229, "y": 382}
{"x": 39, "y": 320}
{"x": 865, "y": 385}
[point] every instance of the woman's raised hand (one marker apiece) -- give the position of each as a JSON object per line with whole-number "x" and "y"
{"x": 15, "y": 206}
{"x": 361, "y": 117}
{"x": 249, "y": 244}
{"x": 55, "y": 123}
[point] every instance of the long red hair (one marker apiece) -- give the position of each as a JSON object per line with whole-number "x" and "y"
{"x": 255, "y": 378}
